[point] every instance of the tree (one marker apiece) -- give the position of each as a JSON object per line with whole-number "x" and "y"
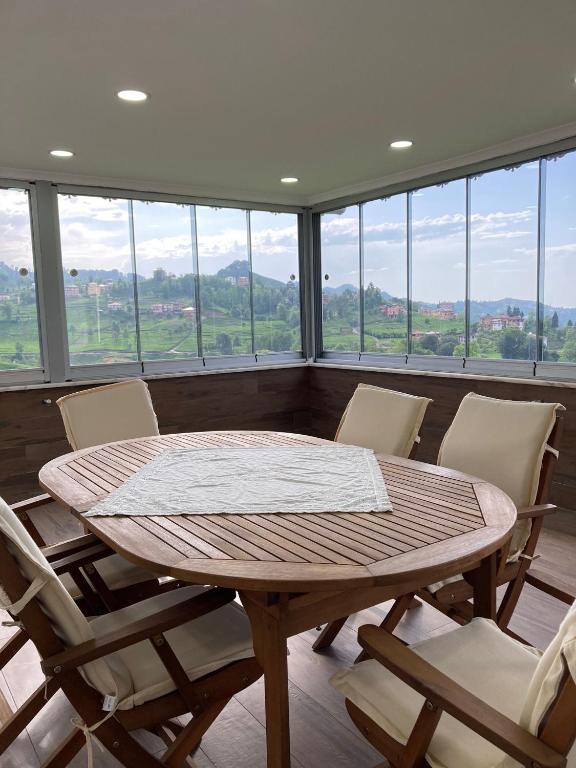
{"x": 513, "y": 344}
{"x": 569, "y": 324}
{"x": 224, "y": 343}
{"x": 7, "y": 310}
{"x": 554, "y": 322}
{"x": 430, "y": 343}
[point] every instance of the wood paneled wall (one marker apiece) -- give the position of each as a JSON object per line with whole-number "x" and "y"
{"x": 331, "y": 388}
{"x": 31, "y": 431}
{"x": 308, "y": 400}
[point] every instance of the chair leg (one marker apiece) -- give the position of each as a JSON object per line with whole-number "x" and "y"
{"x": 401, "y": 605}
{"x": 328, "y": 634}
{"x": 25, "y": 713}
{"x": 191, "y": 736}
{"x": 510, "y": 600}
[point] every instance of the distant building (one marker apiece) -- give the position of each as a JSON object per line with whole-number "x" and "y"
{"x": 114, "y": 306}
{"x": 501, "y": 322}
{"x": 164, "y": 309}
{"x": 421, "y": 334}
{"x": 243, "y": 281}
{"x": 443, "y": 311}
{"x": 4, "y": 297}
{"x": 393, "y": 311}
{"x": 189, "y": 311}
{"x": 71, "y": 291}
{"x": 230, "y": 279}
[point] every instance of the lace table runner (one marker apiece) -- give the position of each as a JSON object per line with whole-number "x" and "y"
{"x": 199, "y": 481}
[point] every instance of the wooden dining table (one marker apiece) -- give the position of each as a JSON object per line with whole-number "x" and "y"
{"x": 296, "y": 571}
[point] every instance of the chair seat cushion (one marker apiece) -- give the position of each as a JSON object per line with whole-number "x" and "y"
{"x": 203, "y": 645}
{"x": 485, "y": 661}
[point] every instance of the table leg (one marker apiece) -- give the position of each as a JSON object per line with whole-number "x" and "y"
{"x": 485, "y": 588}
{"x": 270, "y": 645}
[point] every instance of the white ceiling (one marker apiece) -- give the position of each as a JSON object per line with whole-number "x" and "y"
{"x": 246, "y": 91}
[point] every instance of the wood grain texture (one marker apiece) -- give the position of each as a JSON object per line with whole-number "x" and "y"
{"x": 443, "y": 522}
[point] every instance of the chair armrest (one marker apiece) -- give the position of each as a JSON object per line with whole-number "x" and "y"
{"x": 149, "y": 627}
{"x": 538, "y": 510}
{"x": 65, "y": 548}
{"x": 80, "y": 558}
{"x": 444, "y": 693}
{"x": 35, "y": 501}
{"x": 557, "y": 588}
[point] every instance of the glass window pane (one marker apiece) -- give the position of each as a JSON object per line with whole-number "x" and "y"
{"x": 559, "y": 338}
{"x": 340, "y": 249}
{"x": 166, "y": 282}
{"x": 224, "y": 281}
{"x": 19, "y": 337}
{"x": 98, "y": 279}
{"x": 275, "y": 280}
{"x": 504, "y": 236}
{"x": 385, "y": 281}
{"x": 439, "y": 270}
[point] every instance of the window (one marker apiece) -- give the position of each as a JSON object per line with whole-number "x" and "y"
{"x": 340, "y": 244}
{"x": 385, "y": 278}
{"x": 19, "y": 330}
{"x": 99, "y": 286}
{"x": 503, "y": 263}
{"x": 439, "y": 270}
{"x": 158, "y": 282}
{"x": 224, "y": 280}
{"x": 274, "y": 239}
{"x": 559, "y": 332}
{"x": 166, "y": 280}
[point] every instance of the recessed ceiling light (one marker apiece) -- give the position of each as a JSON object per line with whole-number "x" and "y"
{"x": 61, "y": 153}
{"x": 132, "y": 95}
{"x": 289, "y": 180}
{"x": 401, "y": 144}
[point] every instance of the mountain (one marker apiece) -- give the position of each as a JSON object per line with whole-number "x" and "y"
{"x": 242, "y": 269}
{"x": 345, "y": 287}
{"x": 8, "y": 275}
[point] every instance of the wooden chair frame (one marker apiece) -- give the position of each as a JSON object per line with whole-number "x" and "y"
{"x": 204, "y": 698}
{"x": 453, "y": 599}
{"x": 75, "y": 557}
{"x": 546, "y": 750}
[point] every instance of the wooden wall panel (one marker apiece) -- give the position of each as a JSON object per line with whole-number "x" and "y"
{"x": 31, "y": 432}
{"x": 331, "y": 388}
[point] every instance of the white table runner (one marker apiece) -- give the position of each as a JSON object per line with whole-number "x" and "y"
{"x": 325, "y": 478}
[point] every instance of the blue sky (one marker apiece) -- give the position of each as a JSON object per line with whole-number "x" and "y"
{"x": 95, "y": 234}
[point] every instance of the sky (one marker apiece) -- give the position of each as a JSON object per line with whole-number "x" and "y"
{"x": 95, "y": 234}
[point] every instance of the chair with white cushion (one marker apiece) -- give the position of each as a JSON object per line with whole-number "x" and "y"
{"x": 388, "y": 422}
{"x": 471, "y": 698}
{"x": 184, "y": 652}
{"x": 119, "y": 411}
{"x": 513, "y": 445}
{"x": 383, "y": 420}
{"x": 105, "y": 414}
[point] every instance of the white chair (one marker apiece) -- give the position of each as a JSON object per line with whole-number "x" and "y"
{"x": 187, "y": 651}
{"x": 119, "y": 411}
{"x": 471, "y": 698}
{"x": 388, "y": 422}
{"x": 383, "y": 420}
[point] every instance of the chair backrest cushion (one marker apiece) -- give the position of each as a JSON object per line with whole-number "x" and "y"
{"x": 66, "y": 618}
{"x": 119, "y": 411}
{"x": 501, "y": 441}
{"x": 383, "y": 420}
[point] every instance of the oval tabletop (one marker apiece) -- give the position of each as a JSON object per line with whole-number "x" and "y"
{"x": 443, "y": 523}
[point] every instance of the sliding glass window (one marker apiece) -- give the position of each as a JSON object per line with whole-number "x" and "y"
{"x": 276, "y": 287}
{"x": 340, "y": 243}
{"x": 150, "y": 282}
{"x": 439, "y": 270}
{"x": 19, "y": 329}
{"x": 385, "y": 281}
{"x": 559, "y": 253}
{"x": 503, "y": 263}
{"x": 166, "y": 281}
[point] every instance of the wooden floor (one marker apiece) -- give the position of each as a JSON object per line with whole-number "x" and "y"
{"x": 322, "y": 734}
